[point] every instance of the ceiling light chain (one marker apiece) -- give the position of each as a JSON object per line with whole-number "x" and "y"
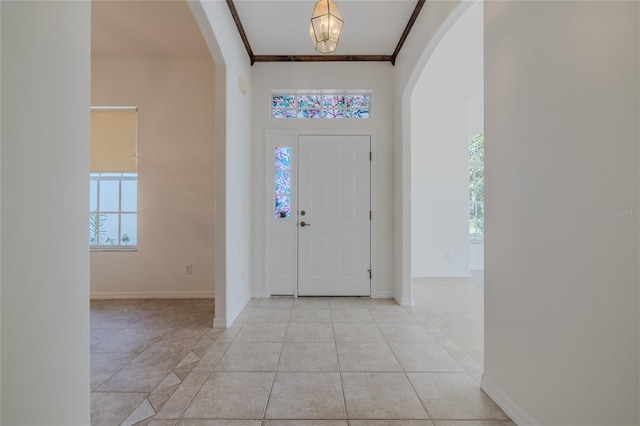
{"x": 326, "y": 26}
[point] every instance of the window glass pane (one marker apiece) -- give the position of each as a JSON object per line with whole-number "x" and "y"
{"x": 93, "y": 195}
{"x": 283, "y": 206}
{"x": 309, "y": 113}
{"x": 283, "y": 101}
{"x": 333, "y": 113}
{"x": 476, "y": 148}
{"x": 358, "y": 101}
{"x": 93, "y": 229}
{"x": 327, "y": 106}
{"x": 284, "y": 113}
{"x": 310, "y": 101}
{"x": 283, "y": 182}
{"x": 109, "y": 193}
{"x": 129, "y": 229}
{"x": 129, "y": 196}
{"x": 283, "y": 158}
{"x": 108, "y": 229}
{"x": 357, "y": 113}
{"x": 333, "y": 101}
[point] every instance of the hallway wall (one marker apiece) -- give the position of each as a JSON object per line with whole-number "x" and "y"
{"x": 446, "y": 112}
{"x": 562, "y": 177}
{"x": 176, "y": 170}
{"x": 44, "y": 194}
{"x": 375, "y": 77}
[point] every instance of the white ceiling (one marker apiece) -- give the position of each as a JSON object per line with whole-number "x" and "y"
{"x": 281, "y": 27}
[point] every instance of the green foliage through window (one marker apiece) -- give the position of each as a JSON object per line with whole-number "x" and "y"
{"x": 476, "y": 188}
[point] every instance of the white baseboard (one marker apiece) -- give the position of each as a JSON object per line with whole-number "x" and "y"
{"x": 511, "y": 409}
{"x": 101, "y": 295}
{"x": 461, "y": 274}
{"x": 407, "y": 301}
{"x": 219, "y": 323}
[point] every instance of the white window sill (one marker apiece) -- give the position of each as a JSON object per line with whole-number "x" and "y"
{"x": 119, "y": 249}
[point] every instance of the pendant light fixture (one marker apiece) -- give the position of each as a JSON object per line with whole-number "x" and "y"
{"x": 326, "y": 25}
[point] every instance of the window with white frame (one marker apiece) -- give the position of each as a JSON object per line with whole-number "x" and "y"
{"x": 113, "y": 181}
{"x": 476, "y": 188}
{"x": 352, "y": 105}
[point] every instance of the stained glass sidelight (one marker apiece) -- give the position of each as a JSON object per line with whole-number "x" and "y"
{"x": 283, "y": 182}
{"x": 327, "y": 106}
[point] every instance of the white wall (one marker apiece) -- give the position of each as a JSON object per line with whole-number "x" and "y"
{"x": 561, "y": 259}
{"x": 299, "y": 76}
{"x": 0, "y": 214}
{"x": 176, "y": 171}
{"x": 233, "y": 159}
{"x": 45, "y": 192}
{"x": 430, "y": 26}
{"x": 446, "y": 111}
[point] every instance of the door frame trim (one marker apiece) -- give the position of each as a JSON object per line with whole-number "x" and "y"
{"x": 292, "y": 139}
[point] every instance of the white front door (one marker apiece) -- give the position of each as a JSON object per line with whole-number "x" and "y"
{"x": 334, "y": 223}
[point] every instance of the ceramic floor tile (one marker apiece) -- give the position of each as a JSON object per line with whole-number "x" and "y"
{"x": 162, "y": 423}
{"x": 424, "y": 357}
{"x": 231, "y": 395}
{"x": 454, "y": 396}
{"x": 109, "y": 409}
{"x": 391, "y": 314}
{"x": 124, "y": 341}
{"x": 346, "y": 303}
{"x": 447, "y": 311}
{"x": 227, "y": 422}
{"x": 380, "y": 302}
{"x": 366, "y": 357}
{"x": 104, "y": 366}
{"x": 311, "y": 302}
{"x": 305, "y": 423}
{"x": 225, "y": 335}
{"x": 405, "y": 332}
{"x": 310, "y": 315}
{"x": 276, "y": 302}
{"x": 163, "y": 391}
{"x": 351, "y": 315}
{"x": 265, "y": 332}
{"x": 357, "y": 332}
{"x": 180, "y": 399}
{"x": 262, "y": 315}
{"x": 249, "y": 356}
{"x": 306, "y": 396}
{"x": 180, "y": 340}
{"x": 381, "y": 396}
{"x": 390, "y": 423}
{"x": 144, "y": 373}
{"x": 211, "y": 356}
{"x": 309, "y": 332}
{"x": 142, "y": 412}
{"x": 473, "y": 423}
{"x": 300, "y": 356}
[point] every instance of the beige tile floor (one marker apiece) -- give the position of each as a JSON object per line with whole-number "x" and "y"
{"x": 306, "y": 362}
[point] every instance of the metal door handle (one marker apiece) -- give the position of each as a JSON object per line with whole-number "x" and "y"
{"x": 303, "y": 224}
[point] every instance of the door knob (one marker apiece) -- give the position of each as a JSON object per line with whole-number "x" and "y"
{"x": 303, "y": 224}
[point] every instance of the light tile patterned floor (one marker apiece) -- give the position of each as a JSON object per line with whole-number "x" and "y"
{"x": 302, "y": 362}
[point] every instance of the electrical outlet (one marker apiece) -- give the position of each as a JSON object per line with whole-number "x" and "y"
{"x": 446, "y": 255}
{"x": 189, "y": 270}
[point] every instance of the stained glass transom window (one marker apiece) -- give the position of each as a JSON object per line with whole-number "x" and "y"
{"x": 283, "y": 182}
{"x": 343, "y": 105}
